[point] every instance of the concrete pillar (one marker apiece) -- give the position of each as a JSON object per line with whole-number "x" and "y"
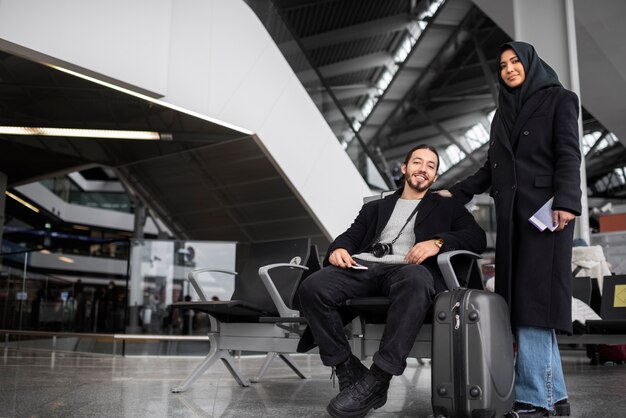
{"x": 135, "y": 296}
{"x": 550, "y": 26}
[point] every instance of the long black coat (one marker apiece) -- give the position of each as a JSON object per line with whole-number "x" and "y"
{"x": 541, "y": 160}
{"x": 436, "y": 217}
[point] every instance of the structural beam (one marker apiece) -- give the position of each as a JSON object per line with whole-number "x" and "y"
{"x": 484, "y": 64}
{"x": 349, "y": 33}
{"x": 365, "y": 62}
{"x": 449, "y": 136}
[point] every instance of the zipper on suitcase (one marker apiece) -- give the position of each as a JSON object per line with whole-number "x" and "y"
{"x": 457, "y": 343}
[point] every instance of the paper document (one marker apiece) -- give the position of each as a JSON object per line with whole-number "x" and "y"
{"x": 358, "y": 267}
{"x": 542, "y": 219}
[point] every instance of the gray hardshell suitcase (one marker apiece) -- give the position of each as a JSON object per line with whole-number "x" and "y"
{"x": 472, "y": 355}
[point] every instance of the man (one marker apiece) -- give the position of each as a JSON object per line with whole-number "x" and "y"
{"x": 389, "y": 250}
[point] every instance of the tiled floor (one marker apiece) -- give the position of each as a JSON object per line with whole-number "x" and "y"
{"x": 42, "y": 384}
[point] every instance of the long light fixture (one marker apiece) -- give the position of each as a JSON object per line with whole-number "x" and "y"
{"x": 22, "y": 201}
{"x": 150, "y": 99}
{"x": 83, "y": 133}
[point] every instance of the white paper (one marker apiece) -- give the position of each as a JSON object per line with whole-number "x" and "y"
{"x": 358, "y": 267}
{"x": 542, "y": 219}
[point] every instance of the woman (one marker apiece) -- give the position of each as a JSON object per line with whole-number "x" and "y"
{"x": 534, "y": 155}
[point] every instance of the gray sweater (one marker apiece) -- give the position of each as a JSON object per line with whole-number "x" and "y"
{"x": 405, "y": 242}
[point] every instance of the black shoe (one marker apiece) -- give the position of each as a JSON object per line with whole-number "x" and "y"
{"x": 562, "y": 408}
{"x": 357, "y": 400}
{"x": 349, "y": 372}
{"x": 524, "y": 410}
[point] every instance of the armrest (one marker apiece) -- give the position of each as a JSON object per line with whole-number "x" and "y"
{"x": 445, "y": 265}
{"x": 193, "y": 279}
{"x": 283, "y": 310}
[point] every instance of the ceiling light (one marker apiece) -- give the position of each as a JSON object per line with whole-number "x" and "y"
{"x": 66, "y": 259}
{"x": 152, "y": 100}
{"x": 78, "y": 133}
{"x": 23, "y": 202}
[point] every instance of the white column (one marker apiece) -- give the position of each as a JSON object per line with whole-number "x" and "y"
{"x": 550, "y": 27}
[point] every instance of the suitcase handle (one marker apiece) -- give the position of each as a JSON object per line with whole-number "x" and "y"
{"x": 458, "y": 271}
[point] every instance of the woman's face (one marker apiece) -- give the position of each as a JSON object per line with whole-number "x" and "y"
{"x": 511, "y": 69}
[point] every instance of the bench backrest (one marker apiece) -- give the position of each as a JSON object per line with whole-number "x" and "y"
{"x": 250, "y": 257}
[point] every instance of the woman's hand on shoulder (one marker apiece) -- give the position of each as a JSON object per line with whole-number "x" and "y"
{"x": 444, "y": 193}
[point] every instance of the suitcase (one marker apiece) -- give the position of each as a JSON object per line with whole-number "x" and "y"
{"x": 607, "y": 353}
{"x": 472, "y": 355}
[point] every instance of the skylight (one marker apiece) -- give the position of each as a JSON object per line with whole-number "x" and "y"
{"x": 413, "y": 32}
{"x": 614, "y": 179}
{"x": 591, "y": 138}
{"x": 474, "y": 138}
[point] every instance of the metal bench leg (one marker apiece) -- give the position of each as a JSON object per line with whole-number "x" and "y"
{"x": 266, "y": 364}
{"x": 213, "y": 355}
{"x": 227, "y": 359}
{"x": 297, "y": 370}
{"x": 286, "y": 358}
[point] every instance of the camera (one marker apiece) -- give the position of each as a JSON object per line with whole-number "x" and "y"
{"x": 380, "y": 250}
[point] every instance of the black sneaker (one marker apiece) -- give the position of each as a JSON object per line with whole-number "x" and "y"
{"x": 349, "y": 372}
{"x": 562, "y": 408}
{"x": 360, "y": 398}
{"x": 524, "y": 410}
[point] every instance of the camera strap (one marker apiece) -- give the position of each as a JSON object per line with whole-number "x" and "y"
{"x": 405, "y": 224}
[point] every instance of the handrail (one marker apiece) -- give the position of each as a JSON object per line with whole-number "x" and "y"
{"x": 113, "y": 337}
{"x": 54, "y": 333}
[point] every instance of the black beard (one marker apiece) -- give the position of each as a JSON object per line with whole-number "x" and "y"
{"x": 420, "y": 189}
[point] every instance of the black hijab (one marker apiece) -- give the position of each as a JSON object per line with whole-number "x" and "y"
{"x": 539, "y": 75}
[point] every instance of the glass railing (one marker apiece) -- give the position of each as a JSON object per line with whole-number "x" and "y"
{"x": 40, "y": 293}
{"x": 371, "y": 167}
{"x": 69, "y": 192}
{"x": 26, "y": 239}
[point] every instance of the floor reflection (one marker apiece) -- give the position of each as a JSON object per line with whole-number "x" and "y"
{"x": 40, "y": 383}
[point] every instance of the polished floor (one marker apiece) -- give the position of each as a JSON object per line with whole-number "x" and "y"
{"x": 45, "y": 384}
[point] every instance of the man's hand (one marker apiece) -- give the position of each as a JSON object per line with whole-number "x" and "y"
{"x": 561, "y": 218}
{"x": 421, "y": 251}
{"x": 341, "y": 258}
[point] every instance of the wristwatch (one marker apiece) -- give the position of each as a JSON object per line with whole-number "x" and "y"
{"x": 438, "y": 242}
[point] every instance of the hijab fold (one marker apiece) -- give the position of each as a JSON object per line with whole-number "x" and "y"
{"x": 539, "y": 75}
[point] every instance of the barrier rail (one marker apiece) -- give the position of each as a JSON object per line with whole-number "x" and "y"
{"x": 113, "y": 338}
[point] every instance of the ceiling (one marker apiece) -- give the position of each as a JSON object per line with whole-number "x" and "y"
{"x": 445, "y": 86}
{"x": 207, "y": 183}
{"x": 213, "y": 183}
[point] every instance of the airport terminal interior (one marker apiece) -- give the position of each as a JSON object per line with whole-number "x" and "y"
{"x": 150, "y": 167}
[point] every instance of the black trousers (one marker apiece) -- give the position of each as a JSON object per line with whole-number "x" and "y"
{"x": 411, "y": 290}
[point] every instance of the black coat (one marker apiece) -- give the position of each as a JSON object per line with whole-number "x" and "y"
{"x": 436, "y": 217}
{"x": 541, "y": 160}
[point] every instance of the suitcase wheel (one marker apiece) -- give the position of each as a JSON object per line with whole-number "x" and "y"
{"x": 483, "y": 413}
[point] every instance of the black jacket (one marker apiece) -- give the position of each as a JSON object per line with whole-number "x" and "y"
{"x": 436, "y": 217}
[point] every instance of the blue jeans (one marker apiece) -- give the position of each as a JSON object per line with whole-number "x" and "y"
{"x": 538, "y": 372}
